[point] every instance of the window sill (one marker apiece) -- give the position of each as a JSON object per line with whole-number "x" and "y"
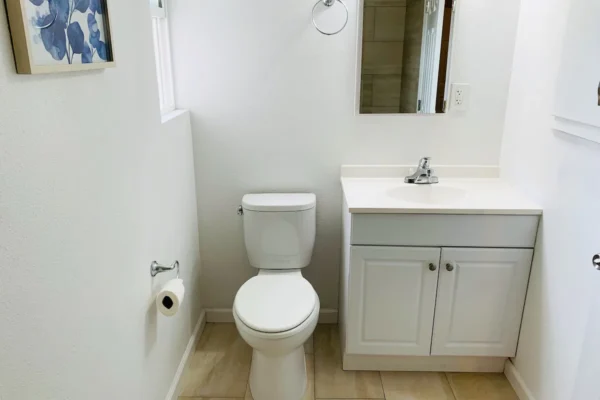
{"x": 175, "y": 114}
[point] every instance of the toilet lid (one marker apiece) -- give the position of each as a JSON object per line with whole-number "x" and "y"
{"x": 275, "y": 303}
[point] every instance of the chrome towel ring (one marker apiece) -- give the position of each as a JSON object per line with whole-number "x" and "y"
{"x": 329, "y": 3}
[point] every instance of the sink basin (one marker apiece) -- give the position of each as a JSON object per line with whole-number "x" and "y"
{"x": 428, "y": 194}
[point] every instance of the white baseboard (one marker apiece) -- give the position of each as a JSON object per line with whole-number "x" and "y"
{"x": 175, "y": 388}
{"x": 225, "y": 315}
{"x": 352, "y": 362}
{"x": 328, "y": 316}
{"x": 517, "y": 382}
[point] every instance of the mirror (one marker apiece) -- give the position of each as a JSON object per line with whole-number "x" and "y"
{"x": 406, "y": 48}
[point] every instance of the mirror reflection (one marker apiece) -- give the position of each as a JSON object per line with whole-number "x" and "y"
{"x": 405, "y": 56}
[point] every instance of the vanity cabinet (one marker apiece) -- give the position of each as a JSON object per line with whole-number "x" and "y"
{"x": 433, "y": 292}
{"x": 392, "y": 300}
{"x": 480, "y": 300}
{"x": 418, "y": 301}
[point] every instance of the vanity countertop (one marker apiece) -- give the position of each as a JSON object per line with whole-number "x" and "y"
{"x": 489, "y": 196}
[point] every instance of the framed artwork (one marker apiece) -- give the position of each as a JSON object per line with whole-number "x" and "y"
{"x": 577, "y": 109}
{"x": 60, "y": 35}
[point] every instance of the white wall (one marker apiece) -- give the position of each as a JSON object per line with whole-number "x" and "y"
{"x": 561, "y": 173}
{"x": 92, "y": 189}
{"x": 272, "y": 106}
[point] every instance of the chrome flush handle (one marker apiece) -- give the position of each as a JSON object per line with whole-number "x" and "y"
{"x": 596, "y": 261}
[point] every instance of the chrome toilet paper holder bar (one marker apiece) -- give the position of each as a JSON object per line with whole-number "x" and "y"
{"x": 156, "y": 268}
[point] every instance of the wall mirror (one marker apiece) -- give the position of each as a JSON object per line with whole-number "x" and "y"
{"x": 405, "y": 62}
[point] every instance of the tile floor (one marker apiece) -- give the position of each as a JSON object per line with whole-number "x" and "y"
{"x": 220, "y": 366}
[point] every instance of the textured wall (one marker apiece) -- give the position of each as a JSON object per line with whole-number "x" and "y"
{"x": 273, "y": 108}
{"x": 92, "y": 189}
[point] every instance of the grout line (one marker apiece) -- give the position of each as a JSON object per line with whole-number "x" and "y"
{"x": 315, "y": 360}
{"x": 451, "y": 387}
{"x": 314, "y": 374}
{"x": 201, "y": 398}
{"x": 381, "y": 383}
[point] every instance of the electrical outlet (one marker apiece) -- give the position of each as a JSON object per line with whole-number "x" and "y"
{"x": 461, "y": 96}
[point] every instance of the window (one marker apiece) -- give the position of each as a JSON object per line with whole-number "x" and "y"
{"x": 162, "y": 53}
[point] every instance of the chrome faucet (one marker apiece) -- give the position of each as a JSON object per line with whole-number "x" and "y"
{"x": 424, "y": 173}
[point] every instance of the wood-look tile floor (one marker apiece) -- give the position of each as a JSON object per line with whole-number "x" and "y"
{"x": 220, "y": 367}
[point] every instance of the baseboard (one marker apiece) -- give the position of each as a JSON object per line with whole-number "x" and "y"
{"x": 225, "y": 315}
{"x": 219, "y": 315}
{"x": 328, "y": 316}
{"x": 517, "y": 382}
{"x": 175, "y": 388}
{"x": 353, "y": 362}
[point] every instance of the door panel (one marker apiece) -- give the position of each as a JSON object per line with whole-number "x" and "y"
{"x": 391, "y": 300}
{"x": 587, "y": 384}
{"x": 480, "y": 301}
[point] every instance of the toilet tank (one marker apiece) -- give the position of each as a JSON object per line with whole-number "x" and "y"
{"x": 279, "y": 229}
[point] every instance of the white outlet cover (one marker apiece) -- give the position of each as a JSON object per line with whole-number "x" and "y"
{"x": 460, "y": 96}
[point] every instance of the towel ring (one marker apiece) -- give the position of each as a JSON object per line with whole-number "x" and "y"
{"x": 330, "y": 3}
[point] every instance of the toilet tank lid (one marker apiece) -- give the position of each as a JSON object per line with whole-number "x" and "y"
{"x": 278, "y": 202}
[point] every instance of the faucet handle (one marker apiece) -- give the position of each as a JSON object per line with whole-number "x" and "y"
{"x": 424, "y": 162}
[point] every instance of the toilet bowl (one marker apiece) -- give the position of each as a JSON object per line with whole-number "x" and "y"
{"x": 278, "y": 370}
{"x": 276, "y": 311}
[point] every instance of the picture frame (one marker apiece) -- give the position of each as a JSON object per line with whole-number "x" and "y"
{"x": 51, "y": 36}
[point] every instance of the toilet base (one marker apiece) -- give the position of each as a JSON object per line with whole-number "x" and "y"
{"x": 278, "y": 377}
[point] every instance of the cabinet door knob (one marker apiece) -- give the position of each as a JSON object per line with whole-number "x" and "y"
{"x": 432, "y": 267}
{"x": 596, "y": 261}
{"x": 449, "y": 267}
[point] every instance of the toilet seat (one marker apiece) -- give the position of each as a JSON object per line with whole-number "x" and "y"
{"x": 275, "y": 303}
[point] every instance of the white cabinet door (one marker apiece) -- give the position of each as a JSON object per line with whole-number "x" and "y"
{"x": 391, "y": 300}
{"x": 480, "y": 301}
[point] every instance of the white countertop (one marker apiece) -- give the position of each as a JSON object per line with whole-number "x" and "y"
{"x": 490, "y": 196}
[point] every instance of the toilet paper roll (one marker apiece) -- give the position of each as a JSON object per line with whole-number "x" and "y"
{"x": 169, "y": 299}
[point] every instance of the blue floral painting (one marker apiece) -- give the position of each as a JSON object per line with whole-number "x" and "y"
{"x": 68, "y": 31}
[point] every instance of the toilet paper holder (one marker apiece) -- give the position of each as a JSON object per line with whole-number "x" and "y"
{"x": 156, "y": 268}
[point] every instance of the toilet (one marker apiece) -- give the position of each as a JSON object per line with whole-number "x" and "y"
{"x": 277, "y": 310}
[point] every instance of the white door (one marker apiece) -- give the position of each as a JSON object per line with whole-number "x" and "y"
{"x": 587, "y": 383}
{"x": 391, "y": 300}
{"x": 430, "y": 55}
{"x": 481, "y": 294}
